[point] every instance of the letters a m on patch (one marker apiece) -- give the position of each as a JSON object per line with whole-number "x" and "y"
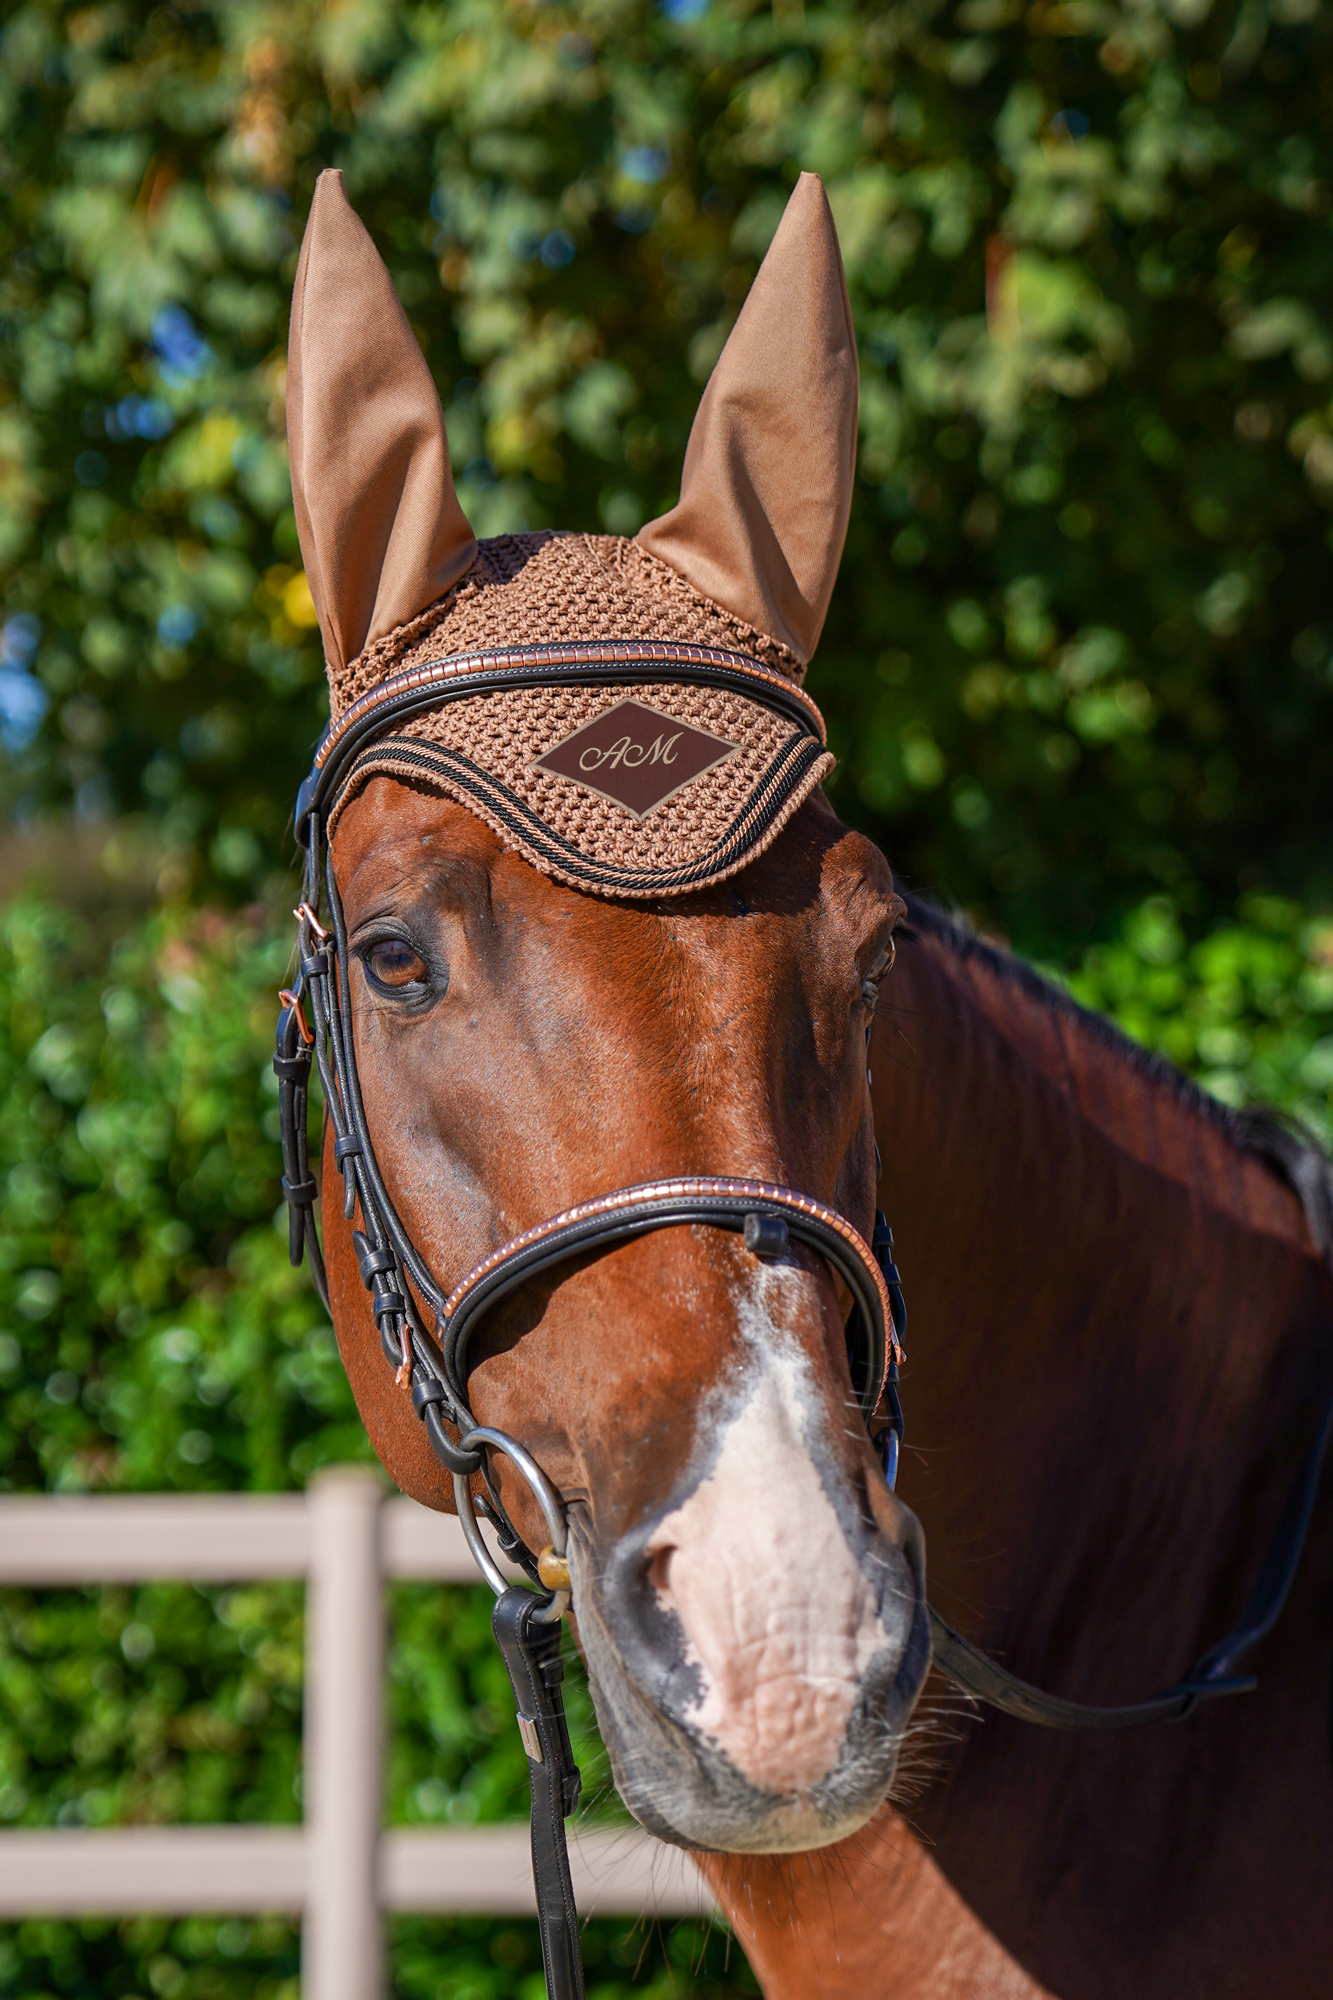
{"x": 636, "y": 756}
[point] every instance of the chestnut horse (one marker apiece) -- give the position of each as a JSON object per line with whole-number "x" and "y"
{"x": 1120, "y": 1308}
{"x": 1120, "y": 1342}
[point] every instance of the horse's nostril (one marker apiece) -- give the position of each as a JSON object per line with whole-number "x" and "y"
{"x": 659, "y": 1569}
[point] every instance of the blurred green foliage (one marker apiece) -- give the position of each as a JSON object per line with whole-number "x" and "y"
{"x": 1248, "y": 1009}
{"x": 1081, "y": 647}
{"x": 153, "y": 1329}
{"x": 207, "y": 1958}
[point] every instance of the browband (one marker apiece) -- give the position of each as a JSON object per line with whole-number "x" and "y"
{"x": 614, "y": 663}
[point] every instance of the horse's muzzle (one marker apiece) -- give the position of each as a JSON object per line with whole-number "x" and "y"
{"x": 756, "y": 1649}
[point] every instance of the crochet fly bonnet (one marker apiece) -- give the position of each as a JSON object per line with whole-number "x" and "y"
{"x": 660, "y": 738}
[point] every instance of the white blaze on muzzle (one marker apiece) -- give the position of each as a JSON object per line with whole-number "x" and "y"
{"x": 780, "y": 1620}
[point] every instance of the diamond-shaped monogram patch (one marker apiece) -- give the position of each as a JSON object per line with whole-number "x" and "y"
{"x": 636, "y": 756}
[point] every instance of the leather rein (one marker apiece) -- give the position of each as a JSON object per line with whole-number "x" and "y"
{"x": 425, "y": 1332}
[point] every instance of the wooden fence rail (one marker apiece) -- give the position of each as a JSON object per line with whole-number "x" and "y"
{"x": 340, "y": 1870}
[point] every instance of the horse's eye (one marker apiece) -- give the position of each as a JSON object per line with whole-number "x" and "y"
{"x": 393, "y": 963}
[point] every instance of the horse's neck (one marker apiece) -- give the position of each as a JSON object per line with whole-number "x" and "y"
{"x": 1104, "y": 1292}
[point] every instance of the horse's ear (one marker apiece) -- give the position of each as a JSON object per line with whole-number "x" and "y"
{"x": 382, "y": 533}
{"x": 767, "y": 485}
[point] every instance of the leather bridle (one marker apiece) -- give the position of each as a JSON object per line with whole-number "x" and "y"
{"x": 407, "y": 1299}
{"x": 431, "y": 1361}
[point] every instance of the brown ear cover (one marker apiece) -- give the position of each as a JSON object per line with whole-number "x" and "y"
{"x": 767, "y": 486}
{"x": 382, "y": 533}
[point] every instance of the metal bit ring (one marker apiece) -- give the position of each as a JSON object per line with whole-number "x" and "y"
{"x": 547, "y": 1499}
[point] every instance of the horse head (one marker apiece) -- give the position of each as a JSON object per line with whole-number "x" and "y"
{"x": 565, "y": 981}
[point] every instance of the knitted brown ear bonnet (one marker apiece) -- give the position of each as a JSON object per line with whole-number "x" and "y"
{"x": 666, "y": 740}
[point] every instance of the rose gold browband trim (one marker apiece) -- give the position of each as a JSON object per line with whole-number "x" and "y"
{"x": 611, "y": 653}
{"x": 627, "y": 1200}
